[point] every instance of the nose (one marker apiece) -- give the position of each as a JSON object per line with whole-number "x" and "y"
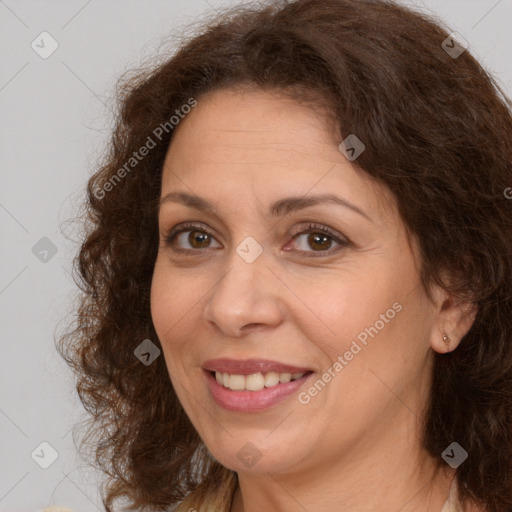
{"x": 248, "y": 296}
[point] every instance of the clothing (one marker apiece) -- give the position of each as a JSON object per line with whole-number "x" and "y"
{"x": 222, "y": 500}
{"x": 219, "y": 501}
{"x": 453, "y": 504}
{"x": 55, "y": 509}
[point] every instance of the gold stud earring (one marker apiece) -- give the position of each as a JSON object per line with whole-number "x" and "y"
{"x": 446, "y": 339}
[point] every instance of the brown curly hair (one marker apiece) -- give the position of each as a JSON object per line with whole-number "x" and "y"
{"x": 439, "y": 135}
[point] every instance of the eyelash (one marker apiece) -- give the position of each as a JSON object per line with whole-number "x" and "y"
{"x": 311, "y": 228}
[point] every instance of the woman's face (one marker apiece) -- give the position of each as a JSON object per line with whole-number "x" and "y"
{"x": 250, "y": 289}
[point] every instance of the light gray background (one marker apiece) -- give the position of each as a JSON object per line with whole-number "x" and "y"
{"x": 55, "y": 121}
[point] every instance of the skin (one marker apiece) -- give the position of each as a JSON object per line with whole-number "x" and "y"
{"x": 242, "y": 150}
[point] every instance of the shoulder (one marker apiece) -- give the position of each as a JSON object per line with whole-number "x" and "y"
{"x": 472, "y": 507}
{"x": 218, "y": 501}
{"x": 55, "y": 509}
{"x": 454, "y": 504}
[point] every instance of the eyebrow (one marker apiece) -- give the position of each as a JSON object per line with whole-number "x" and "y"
{"x": 281, "y": 207}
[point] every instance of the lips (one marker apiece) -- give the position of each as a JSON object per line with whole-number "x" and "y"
{"x": 250, "y": 366}
{"x": 252, "y": 385}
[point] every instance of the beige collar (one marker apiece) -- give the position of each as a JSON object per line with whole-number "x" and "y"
{"x": 452, "y": 504}
{"x": 221, "y": 501}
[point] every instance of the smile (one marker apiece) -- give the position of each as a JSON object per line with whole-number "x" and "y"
{"x": 255, "y": 381}
{"x": 252, "y": 385}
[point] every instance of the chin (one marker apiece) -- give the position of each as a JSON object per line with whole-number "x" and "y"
{"x": 258, "y": 453}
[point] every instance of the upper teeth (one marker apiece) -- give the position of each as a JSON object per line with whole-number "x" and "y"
{"x": 255, "y": 381}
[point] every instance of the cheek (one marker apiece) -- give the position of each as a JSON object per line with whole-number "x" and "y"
{"x": 172, "y": 298}
{"x": 177, "y": 303}
{"x": 160, "y": 300}
{"x": 337, "y": 306}
{"x": 168, "y": 304}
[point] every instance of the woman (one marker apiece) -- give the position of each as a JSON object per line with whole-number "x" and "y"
{"x": 297, "y": 274}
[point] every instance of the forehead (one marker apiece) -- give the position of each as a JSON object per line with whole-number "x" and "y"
{"x": 238, "y": 140}
{"x": 250, "y": 123}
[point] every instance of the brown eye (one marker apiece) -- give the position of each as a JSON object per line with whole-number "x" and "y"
{"x": 189, "y": 238}
{"x": 196, "y": 239}
{"x": 319, "y": 242}
{"x": 320, "y": 239}
{"x": 200, "y": 237}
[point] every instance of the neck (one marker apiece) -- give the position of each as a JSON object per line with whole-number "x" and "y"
{"x": 394, "y": 477}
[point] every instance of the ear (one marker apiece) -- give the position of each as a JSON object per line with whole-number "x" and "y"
{"x": 453, "y": 319}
